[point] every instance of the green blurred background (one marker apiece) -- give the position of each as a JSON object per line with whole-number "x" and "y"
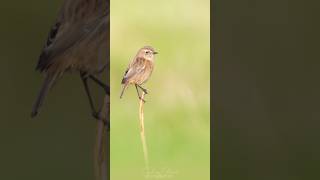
{"x": 177, "y": 108}
{"x": 58, "y": 144}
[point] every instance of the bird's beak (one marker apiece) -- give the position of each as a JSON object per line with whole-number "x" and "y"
{"x": 155, "y": 53}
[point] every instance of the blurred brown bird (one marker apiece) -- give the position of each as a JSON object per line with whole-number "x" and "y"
{"x": 79, "y": 41}
{"x": 139, "y": 70}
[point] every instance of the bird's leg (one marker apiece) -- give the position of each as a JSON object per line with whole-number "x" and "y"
{"x": 104, "y": 86}
{"x": 84, "y": 78}
{"x": 137, "y": 90}
{"x": 143, "y": 89}
{"x": 139, "y": 93}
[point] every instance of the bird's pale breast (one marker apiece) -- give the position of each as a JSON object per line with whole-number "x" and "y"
{"x": 143, "y": 72}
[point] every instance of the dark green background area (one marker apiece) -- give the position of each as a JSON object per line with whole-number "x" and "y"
{"x": 266, "y": 90}
{"x": 58, "y": 144}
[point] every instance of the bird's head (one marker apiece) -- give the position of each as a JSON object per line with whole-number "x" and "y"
{"x": 147, "y": 52}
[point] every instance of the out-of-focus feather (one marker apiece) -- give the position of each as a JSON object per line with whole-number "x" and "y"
{"x": 78, "y": 20}
{"x": 77, "y": 40}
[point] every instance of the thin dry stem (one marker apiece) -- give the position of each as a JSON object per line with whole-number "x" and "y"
{"x": 142, "y": 132}
{"x": 102, "y": 143}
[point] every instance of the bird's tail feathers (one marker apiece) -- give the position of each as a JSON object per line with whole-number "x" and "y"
{"x": 46, "y": 86}
{"x": 123, "y": 89}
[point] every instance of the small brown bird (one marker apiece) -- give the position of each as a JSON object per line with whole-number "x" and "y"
{"x": 139, "y": 70}
{"x": 79, "y": 40}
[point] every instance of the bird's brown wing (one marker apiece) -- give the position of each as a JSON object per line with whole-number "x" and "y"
{"x": 68, "y": 30}
{"x": 135, "y": 68}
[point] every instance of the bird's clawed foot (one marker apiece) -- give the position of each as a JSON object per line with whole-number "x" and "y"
{"x": 143, "y": 89}
{"x": 97, "y": 116}
{"x": 144, "y": 101}
{"x": 100, "y": 83}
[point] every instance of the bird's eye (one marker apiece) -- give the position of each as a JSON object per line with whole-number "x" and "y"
{"x": 147, "y": 52}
